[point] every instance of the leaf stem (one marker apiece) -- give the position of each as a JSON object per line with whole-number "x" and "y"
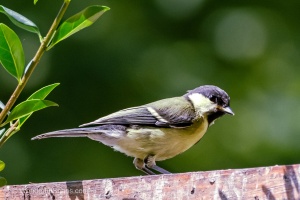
{"x": 34, "y": 63}
{"x": 12, "y": 130}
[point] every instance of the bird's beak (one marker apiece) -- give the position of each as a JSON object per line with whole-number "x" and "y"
{"x": 226, "y": 110}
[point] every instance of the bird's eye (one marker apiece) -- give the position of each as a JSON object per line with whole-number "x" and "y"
{"x": 217, "y": 100}
{"x": 214, "y": 99}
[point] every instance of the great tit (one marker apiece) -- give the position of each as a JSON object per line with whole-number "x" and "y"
{"x": 156, "y": 131}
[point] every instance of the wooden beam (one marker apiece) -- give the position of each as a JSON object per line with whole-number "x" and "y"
{"x": 276, "y": 182}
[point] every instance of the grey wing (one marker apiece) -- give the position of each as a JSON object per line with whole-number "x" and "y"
{"x": 154, "y": 114}
{"x": 134, "y": 115}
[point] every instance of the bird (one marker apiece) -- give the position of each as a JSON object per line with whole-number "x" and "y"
{"x": 156, "y": 131}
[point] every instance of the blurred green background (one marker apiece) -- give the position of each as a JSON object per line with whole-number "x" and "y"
{"x": 142, "y": 51}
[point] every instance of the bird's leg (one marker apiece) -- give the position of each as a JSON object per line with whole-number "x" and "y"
{"x": 140, "y": 165}
{"x": 161, "y": 170}
{"x": 150, "y": 163}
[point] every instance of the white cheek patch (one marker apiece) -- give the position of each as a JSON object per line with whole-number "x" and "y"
{"x": 156, "y": 115}
{"x": 201, "y": 103}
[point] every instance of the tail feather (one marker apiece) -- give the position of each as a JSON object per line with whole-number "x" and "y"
{"x": 75, "y": 132}
{"x": 107, "y": 134}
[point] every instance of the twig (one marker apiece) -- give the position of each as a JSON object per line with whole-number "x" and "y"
{"x": 35, "y": 61}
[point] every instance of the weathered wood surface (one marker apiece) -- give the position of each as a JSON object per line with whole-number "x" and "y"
{"x": 276, "y": 182}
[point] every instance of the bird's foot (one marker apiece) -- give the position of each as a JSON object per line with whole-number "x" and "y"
{"x": 147, "y": 165}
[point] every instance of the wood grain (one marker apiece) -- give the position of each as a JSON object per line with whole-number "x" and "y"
{"x": 276, "y": 182}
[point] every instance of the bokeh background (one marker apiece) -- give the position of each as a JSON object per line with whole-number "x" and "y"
{"x": 142, "y": 51}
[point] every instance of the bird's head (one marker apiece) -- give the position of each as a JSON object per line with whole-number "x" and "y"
{"x": 210, "y": 101}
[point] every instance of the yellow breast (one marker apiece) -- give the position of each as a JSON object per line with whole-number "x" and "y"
{"x": 164, "y": 143}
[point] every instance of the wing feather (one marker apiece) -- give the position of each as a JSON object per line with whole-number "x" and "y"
{"x": 159, "y": 113}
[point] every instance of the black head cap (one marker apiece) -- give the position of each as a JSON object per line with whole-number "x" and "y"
{"x": 217, "y": 96}
{"x": 214, "y": 93}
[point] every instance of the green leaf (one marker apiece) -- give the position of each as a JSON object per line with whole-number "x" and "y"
{"x": 23, "y": 120}
{"x": 40, "y": 94}
{"x": 20, "y": 20}
{"x": 43, "y": 92}
{"x": 2, "y": 165}
{"x": 27, "y": 107}
{"x": 11, "y": 52}
{"x": 78, "y": 22}
{"x": 3, "y": 181}
{"x": 35, "y": 1}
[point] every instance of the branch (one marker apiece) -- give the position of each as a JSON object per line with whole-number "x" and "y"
{"x": 276, "y": 182}
{"x": 32, "y": 65}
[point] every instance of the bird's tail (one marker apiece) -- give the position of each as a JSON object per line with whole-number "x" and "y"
{"x": 75, "y": 132}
